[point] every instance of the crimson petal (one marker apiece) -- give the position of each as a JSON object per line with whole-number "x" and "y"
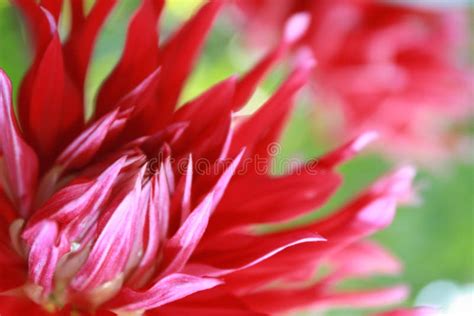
{"x": 181, "y": 246}
{"x": 171, "y": 288}
{"x": 231, "y": 252}
{"x": 139, "y": 59}
{"x": 281, "y": 301}
{"x": 19, "y": 161}
{"x": 265, "y": 126}
{"x": 248, "y": 83}
{"x": 82, "y": 150}
{"x": 177, "y": 58}
{"x": 84, "y": 31}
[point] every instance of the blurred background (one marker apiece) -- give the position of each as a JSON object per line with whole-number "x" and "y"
{"x": 434, "y": 239}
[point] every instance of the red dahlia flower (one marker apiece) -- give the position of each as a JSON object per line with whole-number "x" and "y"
{"x": 389, "y": 67}
{"x": 150, "y": 208}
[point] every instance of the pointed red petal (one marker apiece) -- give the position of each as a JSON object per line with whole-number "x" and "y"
{"x": 46, "y": 90}
{"x": 213, "y": 302}
{"x": 208, "y": 117}
{"x": 364, "y": 299}
{"x": 345, "y": 152}
{"x": 181, "y": 246}
{"x": 370, "y": 212}
{"x": 41, "y": 23}
{"x": 134, "y": 101}
{"x": 53, "y": 6}
{"x": 139, "y": 58}
{"x": 265, "y": 126}
{"x": 77, "y": 15}
{"x": 84, "y": 31}
{"x": 233, "y": 251}
{"x": 363, "y": 259}
{"x": 171, "y": 288}
{"x": 19, "y": 162}
{"x": 284, "y": 301}
{"x": 83, "y": 149}
{"x": 248, "y": 83}
{"x": 263, "y": 199}
{"x": 46, "y": 102}
{"x": 177, "y": 59}
{"x": 44, "y": 96}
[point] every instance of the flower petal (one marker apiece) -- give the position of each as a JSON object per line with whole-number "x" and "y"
{"x": 419, "y": 311}
{"x": 213, "y": 302}
{"x": 156, "y": 216}
{"x": 361, "y": 259}
{"x": 181, "y": 246}
{"x": 139, "y": 58}
{"x": 12, "y": 266}
{"x": 53, "y": 6}
{"x": 44, "y": 254}
{"x": 264, "y": 127}
{"x": 84, "y": 147}
{"x": 209, "y": 119}
{"x": 84, "y": 31}
{"x": 44, "y": 94}
{"x": 69, "y": 208}
{"x": 347, "y": 151}
{"x": 284, "y": 300}
{"x": 371, "y": 211}
{"x": 266, "y": 199}
{"x": 19, "y": 162}
{"x": 177, "y": 58}
{"x": 248, "y": 83}
{"x": 171, "y": 288}
{"x": 116, "y": 232}
{"x": 77, "y": 199}
{"x": 41, "y": 25}
{"x": 235, "y": 251}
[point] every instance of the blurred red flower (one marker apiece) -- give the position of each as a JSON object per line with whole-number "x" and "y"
{"x": 116, "y": 215}
{"x": 392, "y": 67}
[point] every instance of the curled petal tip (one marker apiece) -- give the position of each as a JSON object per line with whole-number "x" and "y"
{"x": 51, "y": 21}
{"x": 407, "y": 172}
{"x": 363, "y": 140}
{"x": 403, "y": 182}
{"x": 400, "y": 292}
{"x": 399, "y": 184}
{"x": 379, "y": 214}
{"x": 348, "y": 150}
{"x": 296, "y": 26}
